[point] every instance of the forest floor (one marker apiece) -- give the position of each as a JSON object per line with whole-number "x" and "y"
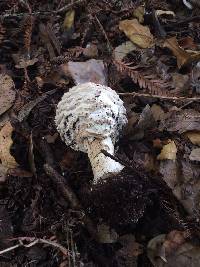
{"x": 149, "y": 52}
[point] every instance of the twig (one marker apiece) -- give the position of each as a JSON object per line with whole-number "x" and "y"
{"x": 180, "y": 22}
{"x": 44, "y": 13}
{"x": 9, "y": 249}
{"x": 69, "y": 195}
{"x": 62, "y": 187}
{"x": 182, "y": 98}
{"x": 33, "y": 241}
{"x": 105, "y": 35}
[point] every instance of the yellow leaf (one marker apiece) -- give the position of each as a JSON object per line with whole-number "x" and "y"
{"x": 69, "y": 20}
{"x": 137, "y": 33}
{"x": 168, "y": 151}
{"x": 184, "y": 57}
{"x": 194, "y": 137}
{"x": 6, "y": 142}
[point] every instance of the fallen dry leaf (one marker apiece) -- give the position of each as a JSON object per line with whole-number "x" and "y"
{"x": 188, "y": 43}
{"x": 184, "y": 57}
{"x": 24, "y": 63}
{"x": 139, "y": 12}
{"x": 89, "y": 71}
{"x": 168, "y": 151}
{"x": 122, "y": 50}
{"x": 91, "y": 51}
{"x": 169, "y": 170}
{"x": 194, "y": 137}
{"x": 195, "y": 154}
{"x": 173, "y": 250}
{"x": 6, "y": 142}
{"x": 105, "y": 234}
{"x": 157, "y": 112}
{"x": 145, "y": 121}
{"x": 181, "y": 121}
{"x": 7, "y": 93}
{"x": 180, "y": 82}
{"x": 137, "y": 33}
{"x": 3, "y": 173}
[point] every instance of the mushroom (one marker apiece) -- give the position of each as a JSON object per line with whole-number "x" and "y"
{"x": 90, "y": 118}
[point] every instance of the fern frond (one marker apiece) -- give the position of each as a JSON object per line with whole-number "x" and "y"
{"x": 148, "y": 82}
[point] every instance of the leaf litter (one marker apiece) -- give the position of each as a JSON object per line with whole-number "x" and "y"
{"x": 147, "y": 52}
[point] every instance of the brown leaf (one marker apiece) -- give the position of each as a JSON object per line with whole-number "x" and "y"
{"x": 122, "y": 50}
{"x": 180, "y": 82}
{"x": 24, "y": 63}
{"x": 5, "y": 144}
{"x": 131, "y": 248}
{"x": 3, "y": 173}
{"x": 145, "y": 121}
{"x": 137, "y": 33}
{"x": 195, "y": 154}
{"x": 139, "y": 12}
{"x": 7, "y": 93}
{"x": 194, "y": 137}
{"x": 173, "y": 250}
{"x": 183, "y": 57}
{"x": 157, "y": 112}
{"x": 91, "y": 51}
{"x": 181, "y": 121}
{"x": 19, "y": 172}
{"x": 105, "y": 234}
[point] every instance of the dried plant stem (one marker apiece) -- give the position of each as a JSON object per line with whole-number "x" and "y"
{"x": 175, "y": 98}
{"x": 44, "y": 13}
{"x": 69, "y": 195}
{"x": 33, "y": 241}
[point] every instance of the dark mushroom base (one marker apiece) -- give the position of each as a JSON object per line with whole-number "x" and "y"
{"x": 127, "y": 197}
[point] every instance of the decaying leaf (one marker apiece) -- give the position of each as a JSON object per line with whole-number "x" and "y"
{"x": 89, "y": 71}
{"x": 169, "y": 170}
{"x": 168, "y": 151}
{"x": 130, "y": 247}
{"x": 3, "y": 173}
{"x": 138, "y": 13}
{"x": 122, "y": 50}
{"x": 173, "y": 250}
{"x": 6, "y": 142}
{"x": 105, "y": 234}
{"x": 24, "y": 112}
{"x": 184, "y": 57}
{"x": 24, "y": 63}
{"x": 195, "y": 154}
{"x": 137, "y": 33}
{"x": 181, "y": 121}
{"x": 157, "y": 112}
{"x": 130, "y": 250}
{"x": 69, "y": 20}
{"x": 91, "y": 51}
{"x": 145, "y": 121}
{"x": 180, "y": 82}
{"x": 7, "y": 93}
{"x": 194, "y": 137}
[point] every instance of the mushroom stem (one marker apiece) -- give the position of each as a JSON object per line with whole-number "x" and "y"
{"x": 102, "y": 165}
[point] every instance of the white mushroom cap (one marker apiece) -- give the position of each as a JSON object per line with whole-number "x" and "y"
{"x": 89, "y": 118}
